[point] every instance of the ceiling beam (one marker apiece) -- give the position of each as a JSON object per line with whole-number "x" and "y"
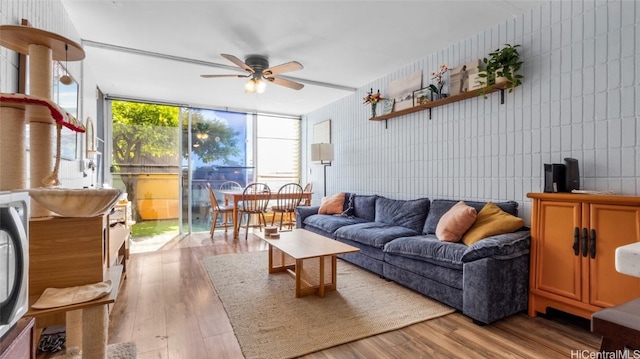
{"x": 111, "y": 47}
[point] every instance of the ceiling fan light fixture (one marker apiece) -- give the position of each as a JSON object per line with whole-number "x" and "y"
{"x": 259, "y": 73}
{"x": 261, "y": 85}
{"x": 250, "y": 86}
{"x": 255, "y": 86}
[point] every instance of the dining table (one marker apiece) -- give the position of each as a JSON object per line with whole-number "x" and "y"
{"x": 236, "y": 196}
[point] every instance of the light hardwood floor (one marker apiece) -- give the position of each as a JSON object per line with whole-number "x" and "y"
{"x": 167, "y": 305}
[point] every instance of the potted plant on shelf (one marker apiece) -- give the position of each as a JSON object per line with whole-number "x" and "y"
{"x": 373, "y": 98}
{"x": 436, "y": 90}
{"x": 502, "y": 63}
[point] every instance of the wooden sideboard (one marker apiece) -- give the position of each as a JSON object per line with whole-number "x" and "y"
{"x": 573, "y": 243}
{"x": 20, "y": 342}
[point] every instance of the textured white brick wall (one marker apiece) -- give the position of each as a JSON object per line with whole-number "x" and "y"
{"x": 48, "y": 15}
{"x": 579, "y": 99}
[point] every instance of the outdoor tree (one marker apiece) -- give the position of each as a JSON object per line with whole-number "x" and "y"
{"x": 146, "y": 134}
{"x": 212, "y": 140}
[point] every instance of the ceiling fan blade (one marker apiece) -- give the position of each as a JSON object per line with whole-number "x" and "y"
{"x": 286, "y": 83}
{"x": 286, "y": 67}
{"x": 238, "y": 62}
{"x": 214, "y": 76}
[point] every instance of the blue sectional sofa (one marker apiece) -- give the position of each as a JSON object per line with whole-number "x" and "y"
{"x": 486, "y": 281}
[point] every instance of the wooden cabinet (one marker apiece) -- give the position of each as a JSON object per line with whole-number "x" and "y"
{"x": 67, "y": 252}
{"x": 118, "y": 253}
{"x": 573, "y": 243}
{"x": 20, "y": 342}
{"x": 120, "y": 222}
{"x": 72, "y": 251}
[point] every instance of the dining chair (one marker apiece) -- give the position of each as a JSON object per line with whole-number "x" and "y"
{"x": 230, "y": 186}
{"x": 308, "y": 188}
{"x": 253, "y": 206}
{"x": 216, "y": 209}
{"x": 289, "y": 197}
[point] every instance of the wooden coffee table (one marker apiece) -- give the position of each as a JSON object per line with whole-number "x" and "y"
{"x": 308, "y": 257}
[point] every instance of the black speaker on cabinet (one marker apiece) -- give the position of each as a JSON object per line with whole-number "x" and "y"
{"x": 572, "y": 174}
{"x": 554, "y": 177}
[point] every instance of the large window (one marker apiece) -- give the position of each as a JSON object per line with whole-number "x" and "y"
{"x": 164, "y": 156}
{"x": 278, "y": 150}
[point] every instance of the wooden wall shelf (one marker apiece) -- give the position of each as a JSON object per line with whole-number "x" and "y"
{"x": 431, "y": 104}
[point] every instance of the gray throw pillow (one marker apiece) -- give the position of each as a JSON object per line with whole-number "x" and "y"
{"x": 406, "y": 213}
{"x": 365, "y": 207}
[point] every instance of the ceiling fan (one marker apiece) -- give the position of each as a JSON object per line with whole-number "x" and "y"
{"x": 259, "y": 72}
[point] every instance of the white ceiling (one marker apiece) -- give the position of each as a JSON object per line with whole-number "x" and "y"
{"x": 156, "y": 50}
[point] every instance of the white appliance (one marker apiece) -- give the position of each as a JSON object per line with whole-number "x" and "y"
{"x": 14, "y": 258}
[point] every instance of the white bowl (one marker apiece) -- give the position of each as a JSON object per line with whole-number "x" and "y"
{"x": 67, "y": 202}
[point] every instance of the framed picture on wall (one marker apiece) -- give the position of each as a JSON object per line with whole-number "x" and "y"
{"x": 322, "y": 132}
{"x": 421, "y": 97}
{"x": 386, "y": 106}
{"x": 402, "y": 90}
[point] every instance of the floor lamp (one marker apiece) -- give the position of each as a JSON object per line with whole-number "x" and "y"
{"x": 323, "y": 153}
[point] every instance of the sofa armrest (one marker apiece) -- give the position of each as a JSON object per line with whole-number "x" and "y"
{"x": 495, "y": 288}
{"x": 503, "y": 246}
{"x": 303, "y": 212}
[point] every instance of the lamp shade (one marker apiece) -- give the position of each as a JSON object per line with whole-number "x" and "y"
{"x": 321, "y": 152}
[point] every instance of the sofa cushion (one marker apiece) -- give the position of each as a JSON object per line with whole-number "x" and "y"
{"x": 366, "y": 250}
{"x": 332, "y": 204}
{"x": 427, "y": 272}
{"x": 491, "y": 220}
{"x": 365, "y": 207}
{"x": 502, "y": 246}
{"x": 330, "y": 223}
{"x": 440, "y": 206}
{"x": 406, "y": 213}
{"x": 455, "y": 222}
{"x": 374, "y": 234}
{"x": 428, "y": 248}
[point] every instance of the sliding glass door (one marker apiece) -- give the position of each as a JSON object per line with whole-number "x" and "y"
{"x": 164, "y": 157}
{"x": 145, "y": 164}
{"x": 215, "y": 149}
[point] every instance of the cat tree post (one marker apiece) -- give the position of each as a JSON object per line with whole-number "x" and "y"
{"x": 40, "y": 123}
{"x": 42, "y": 47}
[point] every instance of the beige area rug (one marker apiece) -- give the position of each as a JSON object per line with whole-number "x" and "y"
{"x": 114, "y": 351}
{"x": 270, "y": 322}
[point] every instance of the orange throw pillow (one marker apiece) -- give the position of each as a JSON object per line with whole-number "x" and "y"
{"x": 332, "y": 204}
{"x": 453, "y": 224}
{"x": 491, "y": 221}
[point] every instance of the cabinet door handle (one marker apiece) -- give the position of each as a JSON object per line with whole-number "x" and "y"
{"x": 592, "y": 245}
{"x": 576, "y": 241}
{"x": 585, "y": 239}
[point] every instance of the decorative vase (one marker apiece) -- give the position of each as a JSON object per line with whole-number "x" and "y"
{"x": 373, "y": 109}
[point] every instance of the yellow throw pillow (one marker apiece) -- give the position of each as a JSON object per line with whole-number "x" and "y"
{"x": 491, "y": 221}
{"x": 332, "y": 204}
{"x": 453, "y": 224}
